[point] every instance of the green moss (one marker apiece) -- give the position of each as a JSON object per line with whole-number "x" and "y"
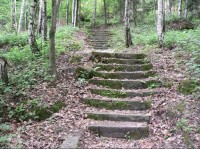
{"x": 57, "y": 106}
{"x": 108, "y": 83}
{"x": 147, "y": 104}
{"x": 76, "y": 59}
{"x": 187, "y": 87}
{"x": 42, "y": 113}
{"x": 107, "y": 105}
{"x": 153, "y": 84}
{"x": 110, "y": 93}
{"x": 97, "y": 117}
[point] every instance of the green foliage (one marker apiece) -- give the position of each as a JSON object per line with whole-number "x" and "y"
{"x": 5, "y": 138}
{"x": 13, "y": 40}
{"x": 182, "y": 124}
{"x": 187, "y": 87}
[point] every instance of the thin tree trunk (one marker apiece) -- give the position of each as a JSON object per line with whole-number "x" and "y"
{"x": 21, "y": 17}
{"x": 26, "y": 14}
{"x": 3, "y": 70}
{"x": 74, "y": 13}
{"x": 67, "y": 11}
{"x": 95, "y": 12}
{"x": 186, "y": 9}
{"x": 160, "y": 22}
{"x": 40, "y": 17}
{"x": 44, "y": 21}
{"x": 52, "y": 52}
{"x": 14, "y": 16}
{"x": 168, "y": 8}
{"x": 134, "y": 2}
{"x": 121, "y": 10}
{"x": 127, "y": 25}
{"x": 105, "y": 12}
{"x": 32, "y": 29}
{"x": 179, "y": 8}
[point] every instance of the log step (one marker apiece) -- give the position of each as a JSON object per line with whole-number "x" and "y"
{"x": 118, "y": 104}
{"x": 116, "y": 116}
{"x": 128, "y": 130}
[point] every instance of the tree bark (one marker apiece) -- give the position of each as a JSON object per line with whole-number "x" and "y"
{"x": 39, "y": 26}
{"x": 186, "y": 9}
{"x": 52, "y": 52}
{"x": 179, "y": 8}
{"x": 95, "y": 12}
{"x": 67, "y": 11}
{"x": 134, "y": 2}
{"x": 128, "y": 37}
{"x": 32, "y": 29}
{"x": 14, "y": 16}
{"x": 26, "y": 14}
{"x": 74, "y": 13}
{"x": 3, "y": 70}
{"x": 105, "y": 12}
{"x": 21, "y": 16}
{"x": 44, "y": 21}
{"x": 160, "y": 22}
{"x": 168, "y": 8}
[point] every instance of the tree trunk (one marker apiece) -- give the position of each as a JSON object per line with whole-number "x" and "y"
{"x": 168, "y": 8}
{"x": 32, "y": 29}
{"x": 52, "y": 52}
{"x": 44, "y": 21}
{"x": 127, "y": 25}
{"x": 14, "y": 16}
{"x": 105, "y": 12}
{"x": 160, "y": 22}
{"x": 39, "y": 26}
{"x": 121, "y": 10}
{"x": 179, "y": 8}
{"x": 186, "y": 9}
{"x": 95, "y": 12}
{"x": 26, "y": 14}
{"x": 3, "y": 70}
{"x": 67, "y": 11}
{"x": 74, "y": 13}
{"x": 21, "y": 17}
{"x": 135, "y": 11}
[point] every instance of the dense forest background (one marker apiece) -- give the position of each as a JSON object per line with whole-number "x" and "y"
{"x": 34, "y": 34}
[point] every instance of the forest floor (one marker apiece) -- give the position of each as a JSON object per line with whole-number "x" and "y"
{"x": 175, "y": 117}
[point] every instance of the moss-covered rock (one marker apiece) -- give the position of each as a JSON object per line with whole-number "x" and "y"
{"x": 187, "y": 87}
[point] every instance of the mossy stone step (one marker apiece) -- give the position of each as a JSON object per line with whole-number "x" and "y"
{"x": 128, "y": 130}
{"x": 119, "y": 55}
{"x": 124, "y": 75}
{"x": 116, "y": 116}
{"x": 118, "y": 104}
{"x": 124, "y": 67}
{"x": 123, "y": 61}
{"x": 126, "y": 84}
{"x": 113, "y": 93}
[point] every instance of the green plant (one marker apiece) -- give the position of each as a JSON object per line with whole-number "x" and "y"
{"x": 182, "y": 124}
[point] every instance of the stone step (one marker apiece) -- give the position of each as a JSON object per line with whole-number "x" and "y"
{"x": 99, "y": 48}
{"x": 119, "y": 55}
{"x": 118, "y": 104}
{"x": 124, "y": 67}
{"x": 123, "y": 61}
{"x": 114, "y": 93}
{"x": 118, "y": 116}
{"x": 124, "y": 75}
{"x": 128, "y": 130}
{"x": 126, "y": 84}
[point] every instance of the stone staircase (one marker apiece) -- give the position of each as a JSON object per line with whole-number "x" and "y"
{"x": 121, "y": 82}
{"x": 98, "y": 38}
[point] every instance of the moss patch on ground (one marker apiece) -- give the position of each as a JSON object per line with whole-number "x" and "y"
{"x": 187, "y": 87}
{"x": 110, "y": 93}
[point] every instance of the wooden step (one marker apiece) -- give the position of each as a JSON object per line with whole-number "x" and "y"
{"x": 128, "y": 130}
{"x": 118, "y": 116}
{"x": 118, "y": 104}
{"x": 119, "y": 55}
{"x": 126, "y": 84}
{"x": 124, "y": 67}
{"x": 114, "y": 93}
{"x": 123, "y": 61}
{"x": 124, "y": 75}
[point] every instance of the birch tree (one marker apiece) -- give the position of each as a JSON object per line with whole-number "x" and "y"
{"x": 21, "y": 17}
{"x": 26, "y": 14}
{"x": 186, "y": 9}
{"x": 74, "y": 12}
{"x": 44, "y": 21}
{"x": 168, "y": 8}
{"x": 179, "y": 8}
{"x": 40, "y": 17}
{"x": 160, "y": 22}
{"x": 14, "y": 15}
{"x": 127, "y": 25}
{"x": 95, "y": 12}
{"x": 32, "y": 27}
{"x": 52, "y": 52}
